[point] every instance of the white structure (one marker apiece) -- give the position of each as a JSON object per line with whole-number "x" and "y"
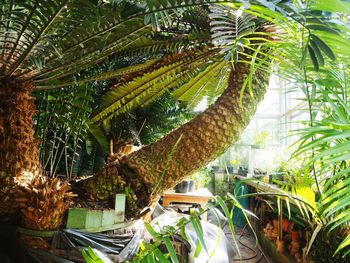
{"x": 265, "y": 141}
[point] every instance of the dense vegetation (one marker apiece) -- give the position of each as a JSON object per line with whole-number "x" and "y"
{"x": 90, "y": 71}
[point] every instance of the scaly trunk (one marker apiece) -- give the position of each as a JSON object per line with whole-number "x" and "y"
{"x": 19, "y": 158}
{"x": 161, "y": 165}
{"x": 41, "y": 201}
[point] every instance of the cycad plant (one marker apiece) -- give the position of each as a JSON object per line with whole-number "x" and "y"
{"x": 189, "y": 76}
{"x": 62, "y": 127}
{"x": 53, "y": 44}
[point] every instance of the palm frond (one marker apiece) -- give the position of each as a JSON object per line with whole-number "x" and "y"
{"x": 89, "y": 54}
{"x": 48, "y": 13}
{"x": 325, "y": 145}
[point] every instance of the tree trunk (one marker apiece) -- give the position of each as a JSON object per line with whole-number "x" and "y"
{"x": 161, "y": 165}
{"x": 19, "y": 158}
{"x": 42, "y": 201}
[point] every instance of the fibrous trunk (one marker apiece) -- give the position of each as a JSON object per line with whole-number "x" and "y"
{"x": 40, "y": 201}
{"x": 161, "y": 165}
{"x": 19, "y": 148}
{"x": 19, "y": 158}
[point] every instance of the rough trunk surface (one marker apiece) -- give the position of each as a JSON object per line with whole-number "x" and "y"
{"x": 40, "y": 201}
{"x": 19, "y": 158}
{"x": 161, "y": 165}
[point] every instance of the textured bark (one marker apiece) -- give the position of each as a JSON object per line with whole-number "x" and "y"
{"x": 163, "y": 164}
{"x": 19, "y": 158}
{"x": 202, "y": 139}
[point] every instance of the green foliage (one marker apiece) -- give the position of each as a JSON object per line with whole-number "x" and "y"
{"x": 208, "y": 83}
{"x": 325, "y": 146}
{"x": 202, "y": 177}
{"x": 173, "y": 72}
{"x": 61, "y": 41}
{"x": 229, "y": 27}
{"x": 150, "y": 123}
{"x": 150, "y": 252}
{"x": 50, "y": 42}
{"x": 190, "y": 75}
{"x": 260, "y": 138}
{"x": 53, "y": 45}
{"x": 90, "y": 256}
{"x": 63, "y": 127}
{"x": 222, "y": 187}
{"x": 308, "y": 66}
{"x": 324, "y": 246}
{"x": 160, "y": 117}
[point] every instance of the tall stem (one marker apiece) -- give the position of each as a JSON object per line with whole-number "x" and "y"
{"x": 308, "y": 97}
{"x": 19, "y": 153}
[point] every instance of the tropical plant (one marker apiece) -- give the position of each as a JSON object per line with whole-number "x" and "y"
{"x": 166, "y": 234}
{"x": 62, "y": 126}
{"x": 149, "y": 123}
{"x": 47, "y": 45}
{"x": 322, "y": 141}
{"x": 202, "y": 177}
{"x": 165, "y": 239}
{"x": 46, "y": 55}
{"x": 284, "y": 44}
{"x": 90, "y": 256}
{"x": 322, "y": 144}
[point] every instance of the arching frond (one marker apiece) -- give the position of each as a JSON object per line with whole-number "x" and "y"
{"x": 25, "y": 24}
{"x": 100, "y": 76}
{"x": 51, "y": 41}
{"x": 208, "y": 83}
{"x": 89, "y": 54}
{"x": 173, "y": 72}
{"x": 228, "y": 24}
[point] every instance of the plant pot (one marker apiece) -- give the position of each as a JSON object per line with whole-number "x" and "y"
{"x": 294, "y": 247}
{"x": 182, "y": 187}
{"x": 280, "y": 246}
{"x": 243, "y": 170}
{"x": 275, "y": 223}
{"x": 295, "y": 235}
{"x": 268, "y": 231}
{"x": 287, "y": 225}
{"x": 191, "y": 186}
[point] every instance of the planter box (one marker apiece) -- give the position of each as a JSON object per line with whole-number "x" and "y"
{"x": 84, "y": 218}
{"x": 108, "y": 217}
